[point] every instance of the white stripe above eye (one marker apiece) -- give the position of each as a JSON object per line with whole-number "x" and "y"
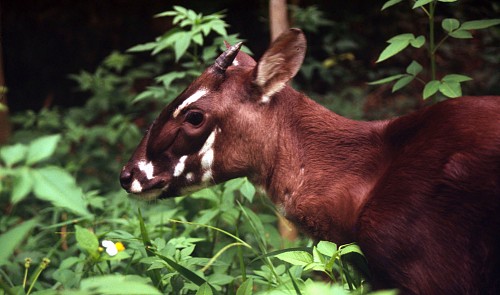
{"x": 193, "y": 98}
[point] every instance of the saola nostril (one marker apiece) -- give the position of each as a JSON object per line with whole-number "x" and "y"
{"x": 126, "y": 179}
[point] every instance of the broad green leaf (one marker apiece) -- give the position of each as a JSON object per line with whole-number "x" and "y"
{"x": 166, "y": 13}
{"x": 247, "y": 190}
{"x": 301, "y": 258}
{"x": 182, "y": 44}
{"x": 450, "y": 24}
{"x": 220, "y": 279}
{"x": 118, "y": 284}
{"x": 246, "y": 288}
{"x": 461, "y": 34}
{"x": 431, "y": 88}
{"x": 350, "y": 248}
{"x": 142, "y": 47}
{"x": 204, "y": 290}
{"x": 418, "y": 42}
{"x": 317, "y": 256}
{"x": 87, "y": 240}
{"x": 167, "y": 40}
{"x": 420, "y": 3}
{"x": 327, "y": 248}
{"x": 386, "y": 79}
{"x": 207, "y": 216}
{"x": 206, "y": 193}
{"x": 185, "y": 272}
{"x": 168, "y": 78}
{"x": 402, "y": 82}
{"x": 402, "y": 37}
{"x": 394, "y": 48}
{"x": 198, "y": 39}
{"x": 55, "y": 185}
{"x": 414, "y": 68}
{"x": 13, "y": 154}
{"x": 219, "y": 27}
{"x": 23, "y": 184}
{"x": 456, "y": 78}
{"x": 13, "y": 237}
{"x": 234, "y": 184}
{"x": 450, "y": 89}
{"x": 42, "y": 148}
{"x": 255, "y": 223}
{"x": 181, "y": 9}
{"x": 479, "y": 24}
{"x": 390, "y": 3}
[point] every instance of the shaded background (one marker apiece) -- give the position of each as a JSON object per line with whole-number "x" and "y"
{"x": 45, "y": 41}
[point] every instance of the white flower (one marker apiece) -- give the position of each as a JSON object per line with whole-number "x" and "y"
{"x": 110, "y": 247}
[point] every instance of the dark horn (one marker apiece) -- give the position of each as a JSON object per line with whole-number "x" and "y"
{"x": 227, "y": 57}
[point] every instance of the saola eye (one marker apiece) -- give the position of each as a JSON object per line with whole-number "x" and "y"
{"x": 194, "y": 118}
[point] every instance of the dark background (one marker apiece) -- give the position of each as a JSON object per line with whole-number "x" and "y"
{"x": 45, "y": 41}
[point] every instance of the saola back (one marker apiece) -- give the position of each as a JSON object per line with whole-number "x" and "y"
{"x": 419, "y": 193}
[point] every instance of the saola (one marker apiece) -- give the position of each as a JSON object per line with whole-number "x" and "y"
{"x": 419, "y": 193}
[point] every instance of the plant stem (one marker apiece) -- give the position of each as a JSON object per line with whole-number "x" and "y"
{"x": 240, "y": 258}
{"x": 432, "y": 53}
{"x": 42, "y": 266}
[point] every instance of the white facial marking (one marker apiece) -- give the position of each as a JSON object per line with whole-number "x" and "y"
{"x": 207, "y": 159}
{"x": 265, "y": 99}
{"x": 136, "y": 187}
{"x": 179, "y": 168}
{"x": 193, "y": 98}
{"x": 208, "y": 143}
{"x": 207, "y": 156}
{"x": 235, "y": 63}
{"x": 207, "y": 176}
{"x": 147, "y": 168}
{"x": 190, "y": 176}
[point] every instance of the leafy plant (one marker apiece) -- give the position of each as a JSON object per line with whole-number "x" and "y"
{"x": 62, "y": 202}
{"x": 185, "y": 41}
{"x": 449, "y": 85}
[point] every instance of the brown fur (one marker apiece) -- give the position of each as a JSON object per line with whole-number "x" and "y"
{"x": 420, "y": 193}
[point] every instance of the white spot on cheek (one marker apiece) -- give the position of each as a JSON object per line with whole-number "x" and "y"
{"x": 265, "y": 99}
{"x": 190, "y": 176}
{"x": 179, "y": 168}
{"x": 193, "y": 98}
{"x": 209, "y": 143}
{"x": 207, "y": 156}
{"x": 136, "y": 187}
{"x": 207, "y": 176}
{"x": 235, "y": 63}
{"x": 207, "y": 159}
{"x": 147, "y": 168}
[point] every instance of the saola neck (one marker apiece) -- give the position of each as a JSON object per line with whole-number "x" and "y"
{"x": 314, "y": 149}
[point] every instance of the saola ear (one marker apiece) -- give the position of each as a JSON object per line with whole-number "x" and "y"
{"x": 280, "y": 62}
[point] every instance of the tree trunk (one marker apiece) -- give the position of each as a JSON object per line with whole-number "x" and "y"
{"x": 278, "y": 17}
{"x": 278, "y": 23}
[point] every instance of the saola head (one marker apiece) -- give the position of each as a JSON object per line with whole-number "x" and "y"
{"x": 220, "y": 127}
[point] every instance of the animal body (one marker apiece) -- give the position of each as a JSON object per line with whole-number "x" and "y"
{"x": 419, "y": 193}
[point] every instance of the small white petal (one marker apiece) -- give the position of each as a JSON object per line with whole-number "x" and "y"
{"x": 112, "y": 251}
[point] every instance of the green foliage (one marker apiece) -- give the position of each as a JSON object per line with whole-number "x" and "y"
{"x": 449, "y": 85}
{"x": 69, "y": 228}
{"x": 192, "y": 32}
